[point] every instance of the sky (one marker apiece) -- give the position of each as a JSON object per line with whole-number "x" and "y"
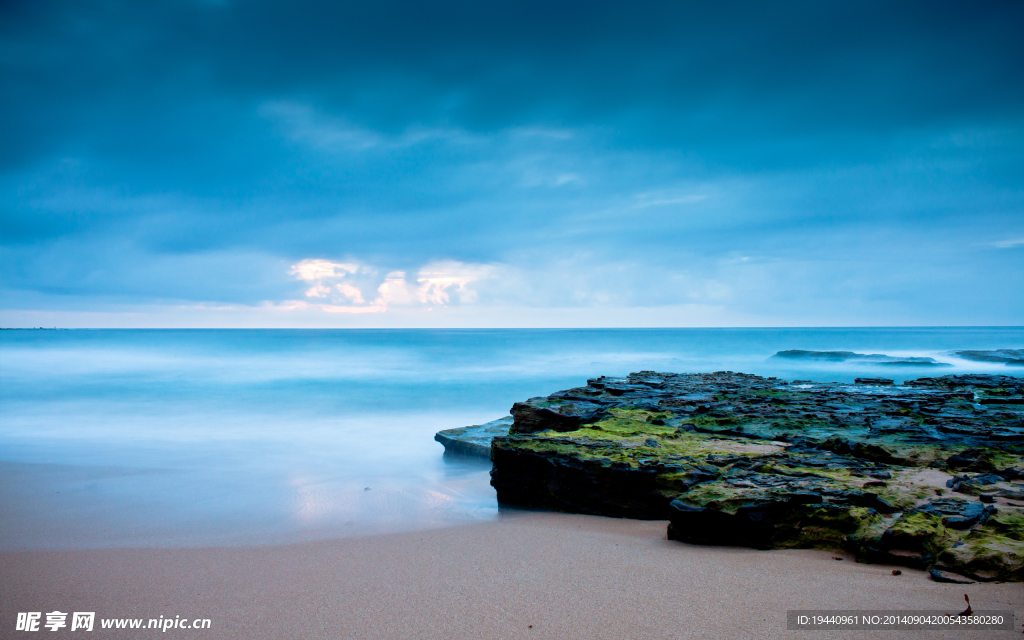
{"x": 314, "y": 163}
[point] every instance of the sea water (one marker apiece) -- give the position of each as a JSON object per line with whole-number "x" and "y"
{"x": 222, "y": 437}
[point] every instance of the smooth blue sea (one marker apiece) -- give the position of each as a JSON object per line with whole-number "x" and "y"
{"x": 222, "y": 437}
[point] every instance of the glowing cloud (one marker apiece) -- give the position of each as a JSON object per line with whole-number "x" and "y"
{"x": 440, "y": 279}
{"x": 321, "y": 269}
{"x": 395, "y": 290}
{"x": 436, "y": 284}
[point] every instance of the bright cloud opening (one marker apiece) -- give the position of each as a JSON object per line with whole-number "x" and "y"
{"x": 341, "y": 286}
{"x": 321, "y": 269}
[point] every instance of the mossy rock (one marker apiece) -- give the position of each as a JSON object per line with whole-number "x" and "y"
{"x": 987, "y": 554}
{"x": 916, "y": 532}
{"x": 732, "y": 458}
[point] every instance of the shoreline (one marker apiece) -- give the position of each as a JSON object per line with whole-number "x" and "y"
{"x": 570, "y": 576}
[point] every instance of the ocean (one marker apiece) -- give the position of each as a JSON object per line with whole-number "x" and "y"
{"x": 143, "y": 438}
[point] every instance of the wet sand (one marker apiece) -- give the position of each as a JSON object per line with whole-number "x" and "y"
{"x": 568, "y": 576}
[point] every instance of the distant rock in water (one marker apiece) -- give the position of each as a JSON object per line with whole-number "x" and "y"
{"x": 928, "y": 474}
{"x": 474, "y": 440}
{"x": 874, "y": 381}
{"x": 1009, "y": 357}
{"x": 867, "y": 358}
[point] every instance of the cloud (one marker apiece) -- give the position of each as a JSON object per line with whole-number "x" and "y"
{"x": 301, "y": 123}
{"x": 1009, "y": 244}
{"x": 350, "y": 292}
{"x": 315, "y": 269}
{"x": 395, "y": 290}
{"x": 645, "y": 200}
{"x": 330, "y": 282}
{"x": 304, "y": 123}
{"x": 439, "y": 283}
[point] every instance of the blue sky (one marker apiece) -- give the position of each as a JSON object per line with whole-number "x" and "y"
{"x": 306, "y": 163}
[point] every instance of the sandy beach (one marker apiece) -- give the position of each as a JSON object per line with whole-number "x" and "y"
{"x": 568, "y": 576}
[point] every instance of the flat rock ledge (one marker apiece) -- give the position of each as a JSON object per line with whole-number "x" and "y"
{"x": 928, "y": 474}
{"x": 474, "y": 440}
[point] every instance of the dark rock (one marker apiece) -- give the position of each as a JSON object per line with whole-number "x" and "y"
{"x": 760, "y": 525}
{"x": 826, "y": 356}
{"x": 858, "y": 449}
{"x": 562, "y": 481}
{"x": 1013, "y": 494}
{"x": 941, "y": 575}
{"x": 968, "y": 381}
{"x": 956, "y": 513}
{"x": 955, "y": 482}
{"x": 972, "y": 485}
{"x": 874, "y": 381}
{"x": 532, "y": 416}
{"x": 1011, "y": 474}
{"x": 972, "y": 460}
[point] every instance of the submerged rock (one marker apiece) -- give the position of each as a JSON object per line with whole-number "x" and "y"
{"x": 869, "y": 358}
{"x": 890, "y": 473}
{"x": 474, "y": 440}
{"x": 1009, "y": 357}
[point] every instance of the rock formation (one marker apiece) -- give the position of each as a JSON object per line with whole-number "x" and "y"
{"x": 927, "y": 474}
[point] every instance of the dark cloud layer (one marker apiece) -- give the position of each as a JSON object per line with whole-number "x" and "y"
{"x": 192, "y": 151}
{"x": 701, "y": 74}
